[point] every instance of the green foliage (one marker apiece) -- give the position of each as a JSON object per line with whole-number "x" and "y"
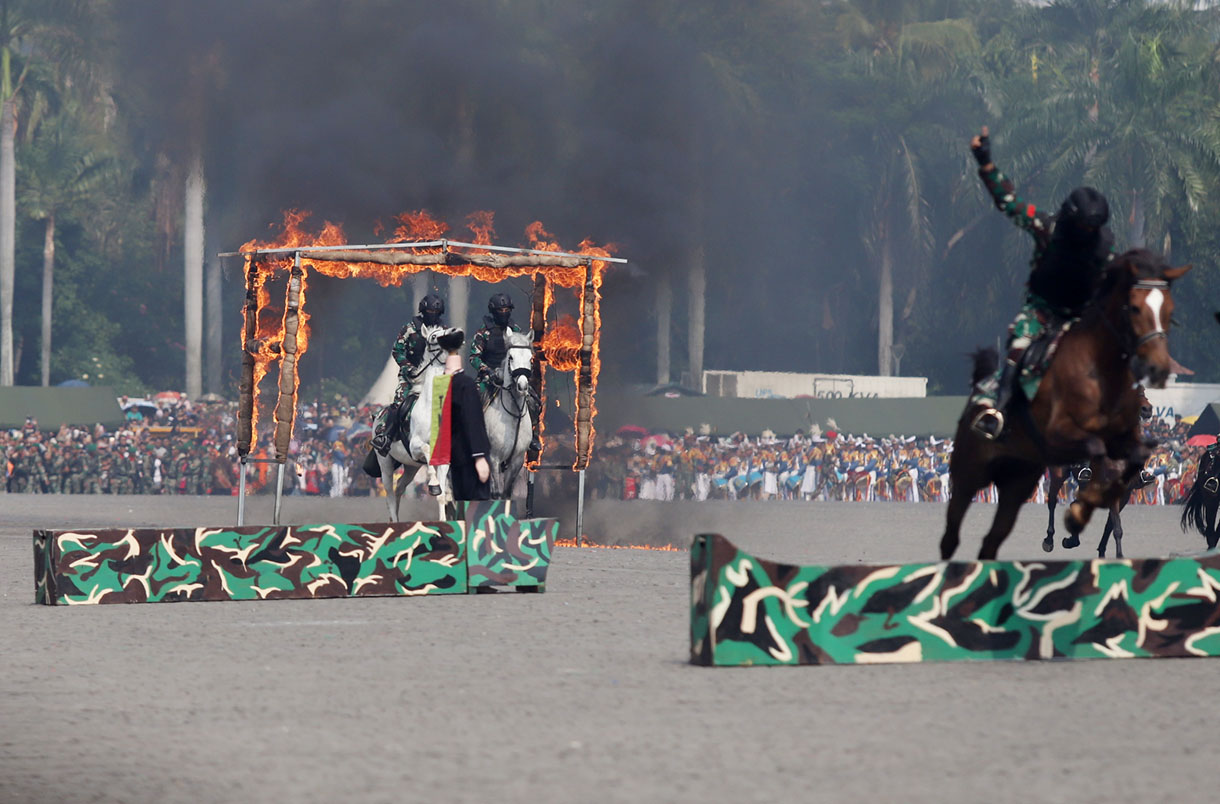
{"x": 796, "y": 142}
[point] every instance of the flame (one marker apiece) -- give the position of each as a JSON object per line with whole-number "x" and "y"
{"x": 561, "y": 345}
{"x": 665, "y": 548}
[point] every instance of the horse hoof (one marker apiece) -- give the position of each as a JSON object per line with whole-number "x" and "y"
{"x": 1070, "y": 542}
{"x": 1048, "y": 544}
{"x": 435, "y": 491}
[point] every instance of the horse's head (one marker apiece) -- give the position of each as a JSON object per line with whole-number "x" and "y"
{"x": 518, "y": 360}
{"x": 1145, "y": 405}
{"x": 1141, "y": 279}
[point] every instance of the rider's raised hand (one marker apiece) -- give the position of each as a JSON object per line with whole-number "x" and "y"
{"x": 980, "y": 146}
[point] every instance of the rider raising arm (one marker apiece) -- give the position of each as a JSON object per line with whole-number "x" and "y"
{"x": 1071, "y": 248}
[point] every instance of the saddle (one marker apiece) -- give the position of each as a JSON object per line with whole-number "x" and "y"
{"x": 1038, "y": 356}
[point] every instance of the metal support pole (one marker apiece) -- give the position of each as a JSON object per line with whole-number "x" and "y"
{"x": 241, "y": 492}
{"x": 580, "y": 511}
{"x": 279, "y": 493}
{"x": 529, "y": 495}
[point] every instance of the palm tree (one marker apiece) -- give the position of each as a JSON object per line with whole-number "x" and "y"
{"x": 1124, "y": 105}
{"x": 60, "y": 171}
{"x": 32, "y": 32}
{"x": 907, "y": 75}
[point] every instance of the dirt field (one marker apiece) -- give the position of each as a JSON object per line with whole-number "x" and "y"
{"x": 581, "y": 694}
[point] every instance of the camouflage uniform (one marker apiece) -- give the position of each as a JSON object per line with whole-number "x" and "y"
{"x": 194, "y": 473}
{"x": 19, "y": 481}
{"x": 122, "y": 469}
{"x": 409, "y": 351}
{"x": 487, "y": 352}
{"x": 76, "y": 471}
{"x": 55, "y": 471}
{"x": 92, "y": 475}
{"x": 1039, "y": 317}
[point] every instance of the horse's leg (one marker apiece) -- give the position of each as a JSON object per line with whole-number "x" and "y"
{"x": 408, "y": 476}
{"x": 1014, "y": 490}
{"x": 1089, "y": 498}
{"x": 1117, "y": 520}
{"x": 387, "y": 483}
{"x": 1111, "y": 520}
{"x": 959, "y": 502}
{"x": 1052, "y": 500}
{"x": 1210, "y": 509}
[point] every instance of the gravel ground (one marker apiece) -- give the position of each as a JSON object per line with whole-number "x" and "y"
{"x": 580, "y": 694}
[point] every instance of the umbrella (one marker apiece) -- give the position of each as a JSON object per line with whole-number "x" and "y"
{"x": 359, "y": 431}
{"x": 1201, "y": 440}
{"x": 74, "y": 384}
{"x": 632, "y": 431}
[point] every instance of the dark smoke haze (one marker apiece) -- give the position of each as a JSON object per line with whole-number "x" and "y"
{"x": 604, "y": 120}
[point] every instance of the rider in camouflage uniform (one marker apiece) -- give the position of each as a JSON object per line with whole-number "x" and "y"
{"x": 1071, "y": 249}
{"x": 488, "y": 351}
{"x": 409, "y": 351}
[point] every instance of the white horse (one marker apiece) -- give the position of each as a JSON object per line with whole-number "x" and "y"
{"x": 507, "y": 417}
{"x": 417, "y": 450}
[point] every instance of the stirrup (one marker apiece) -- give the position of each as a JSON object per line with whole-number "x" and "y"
{"x": 1084, "y": 475}
{"x": 1211, "y": 485}
{"x": 988, "y": 423}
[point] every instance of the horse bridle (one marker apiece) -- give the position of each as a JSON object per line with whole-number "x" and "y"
{"x": 1144, "y": 284}
{"x": 521, "y": 408}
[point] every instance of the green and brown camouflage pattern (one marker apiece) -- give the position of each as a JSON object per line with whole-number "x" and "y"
{"x": 747, "y": 611}
{"x": 504, "y": 551}
{"x": 249, "y": 563}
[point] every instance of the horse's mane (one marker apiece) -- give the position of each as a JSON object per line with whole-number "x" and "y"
{"x": 1118, "y": 274}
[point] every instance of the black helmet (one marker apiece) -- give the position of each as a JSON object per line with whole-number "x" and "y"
{"x": 501, "y": 308}
{"x": 432, "y": 304}
{"x": 1084, "y": 209}
{"x": 431, "y": 308}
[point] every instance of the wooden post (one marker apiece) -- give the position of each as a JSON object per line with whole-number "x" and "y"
{"x": 245, "y": 400}
{"x": 584, "y": 376}
{"x": 539, "y": 304}
{"x": 286, "y": 403}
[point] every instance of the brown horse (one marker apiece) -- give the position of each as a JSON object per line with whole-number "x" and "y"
{"x": 1086, "y": 408}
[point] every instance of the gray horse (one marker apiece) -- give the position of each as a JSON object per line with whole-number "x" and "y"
{"x": 507, "y": 416}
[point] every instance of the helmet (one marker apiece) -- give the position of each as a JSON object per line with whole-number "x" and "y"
{"x": 432, "y": 304}
{"x": 431, "y": 308}
{"x": 498, "y": 301}
{"x": 501, "y": 308}
{"x": 1084, "y": 209}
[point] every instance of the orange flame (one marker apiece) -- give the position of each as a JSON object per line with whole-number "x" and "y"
{"x": 665, "y": 548}
{"x": 561, "y": 345}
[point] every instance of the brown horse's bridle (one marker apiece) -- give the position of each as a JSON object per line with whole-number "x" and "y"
{"x": 1144, "y": 284}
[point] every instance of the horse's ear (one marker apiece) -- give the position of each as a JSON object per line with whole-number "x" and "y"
{"x": 530, "y": 336}
{"x": 1175, "y": 273}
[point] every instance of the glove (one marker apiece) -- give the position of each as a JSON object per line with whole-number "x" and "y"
{"x": 982, "y": 151}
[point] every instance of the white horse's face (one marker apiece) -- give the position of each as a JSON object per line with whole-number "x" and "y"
{"x": 519, "y": 361}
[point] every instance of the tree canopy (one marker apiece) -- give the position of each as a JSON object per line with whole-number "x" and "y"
{"x": 815, "y": 151}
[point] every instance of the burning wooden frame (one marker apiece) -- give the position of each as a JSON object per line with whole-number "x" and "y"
{"x": 390, "y": 263}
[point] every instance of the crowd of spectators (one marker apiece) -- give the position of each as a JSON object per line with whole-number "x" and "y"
{"x": 828, "y": 465}
{"x": 180, "y": 447}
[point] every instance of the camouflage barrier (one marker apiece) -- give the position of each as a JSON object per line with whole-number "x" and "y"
{"x": 293, "y": 561}
{"x": 503, "y": 551}
{"x": 747, "y": 611}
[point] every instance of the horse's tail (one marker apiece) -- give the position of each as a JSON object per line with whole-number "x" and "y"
{"x": 986, "y": 361}
{"x": 1194, "y": 515}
